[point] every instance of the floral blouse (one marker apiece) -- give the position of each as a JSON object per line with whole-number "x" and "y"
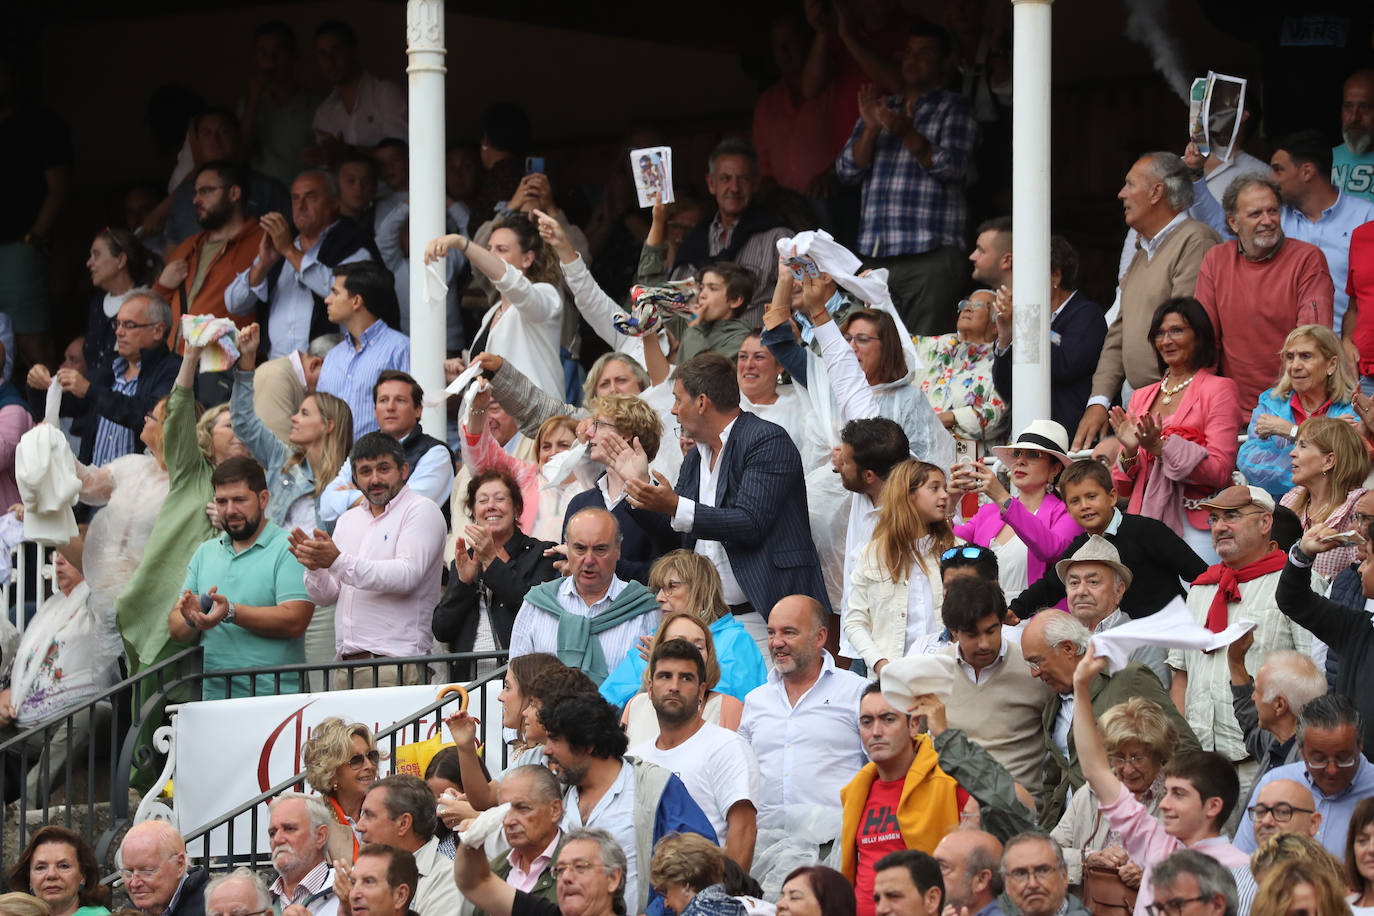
{"x": 958, "y": 377}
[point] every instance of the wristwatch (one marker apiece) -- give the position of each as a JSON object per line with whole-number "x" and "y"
{"x": 233, "y": 609}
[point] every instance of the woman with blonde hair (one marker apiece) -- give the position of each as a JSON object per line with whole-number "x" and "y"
{"x": 1297, "y": 888}
{"x": 1139, "y": 739}
{"x": 1329, "y": 464}
{"x": 895, "y": 592}
{"x": 297, "y": 470}
{"x": 341, "y": 761}
{"x": 684, "y": 581}
{"x": 640, "y": 719}
{"x": 1314, "y": 383}
{"x": 17, "y": 904}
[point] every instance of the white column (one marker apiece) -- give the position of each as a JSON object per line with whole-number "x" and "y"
{"x": 1030, "y": 212}
{"x": 425, "y": 71}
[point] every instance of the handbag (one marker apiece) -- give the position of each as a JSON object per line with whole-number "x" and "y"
{"x": 414, "y": 758}
{"x": 1105, "y": 894}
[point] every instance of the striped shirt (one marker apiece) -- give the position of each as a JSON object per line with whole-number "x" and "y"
{"x": 908, "y": 208}
{"x": 111, "y": 439}
{"x": 537, "y": 631}
{"x": 350, "y": 370}
{"x": 315, "y": 892}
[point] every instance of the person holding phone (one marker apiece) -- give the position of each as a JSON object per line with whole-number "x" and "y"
{"x": 1330, "y": 463}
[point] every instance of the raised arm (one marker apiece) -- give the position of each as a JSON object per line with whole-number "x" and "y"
{"x": 1092, "y": 755}
{"x": 528, "y": 405}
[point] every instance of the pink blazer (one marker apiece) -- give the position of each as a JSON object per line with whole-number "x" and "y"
{"x": 1210, "y": 410}
{"x": 1046, "y": 533}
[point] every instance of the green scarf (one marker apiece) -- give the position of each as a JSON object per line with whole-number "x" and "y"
{"x": 578, "y": 646}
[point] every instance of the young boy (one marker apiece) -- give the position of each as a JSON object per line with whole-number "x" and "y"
{"x": 724, "y": 289}
{"x": 1155, "y": 555}
{"x": 1200, "y": 789}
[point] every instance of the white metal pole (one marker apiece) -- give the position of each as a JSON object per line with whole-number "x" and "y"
{"x": 425, "y": 70}
{"x": 1030, "y": 212}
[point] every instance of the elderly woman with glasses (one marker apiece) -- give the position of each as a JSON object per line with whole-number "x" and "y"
{"x": 341, "y": 762}
{"x": 687, "y": 582}
{"x": 957, "y": 377}
{"x": 1139, "y": 739}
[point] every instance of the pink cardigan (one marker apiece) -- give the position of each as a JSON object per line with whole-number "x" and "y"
{"x": 1046, "y": 533}
{"x": 1211, "y": 405}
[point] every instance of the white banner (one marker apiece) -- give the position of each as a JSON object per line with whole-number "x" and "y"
{"x": 228, "y": 751}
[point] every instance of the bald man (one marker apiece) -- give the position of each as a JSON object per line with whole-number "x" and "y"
{"x": 1352, "y": 163}
{"x": 1284, "y": 806}
{"x": 803, "y": 722}
{"x": 971, "y": 862}
{"x": 153, "y": 865}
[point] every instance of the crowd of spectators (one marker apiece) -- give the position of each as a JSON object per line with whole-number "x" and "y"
{"x": 795, "y": 621}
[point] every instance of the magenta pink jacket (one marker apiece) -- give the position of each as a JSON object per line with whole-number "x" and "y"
{"x": 1046, "y": 533}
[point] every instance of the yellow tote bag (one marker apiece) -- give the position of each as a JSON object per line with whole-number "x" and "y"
{"x": 414, "y": 758}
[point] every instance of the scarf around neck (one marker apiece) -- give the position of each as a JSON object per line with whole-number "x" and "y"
{"x": 1229, "y": 581}
{"x": 578, "y": 646}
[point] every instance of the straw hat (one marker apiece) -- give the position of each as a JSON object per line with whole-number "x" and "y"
{"x": 1096, "y": 549}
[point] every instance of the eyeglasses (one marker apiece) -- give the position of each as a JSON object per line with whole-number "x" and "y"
{"x": 237, "y": 913}
{"x": 968, "y": 552}
{"x": 144, "y": 872}
{"x": 580, "y": 867}
{"x": 1042, "y": 874}
{"x": 373, "y": 757}
{"x": 1174, "y": 334}
{"x": 671, "y": 586}
{"x": 1034, "y": 664}
{"x": 1230, "y": 516}
{"x": 1172, "y": 907}
{"x": 1359, "y": 520}
{"x": 1282, "y": 812}
{"x": 1135, "y": 760}
{"x": 862, "y": 340}
{"x": 117, "y": 325}
{"x": 1322, "y": 763}
{"x": 970, "y": 304}
{"x": 603, "y": 424}
{"x": 208, "y": 189}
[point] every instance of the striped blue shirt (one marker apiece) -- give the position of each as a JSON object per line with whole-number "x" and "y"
{"x": 908, "y": 208}
{"x": 350, "y": 370}
{"x": 112, "y": 440}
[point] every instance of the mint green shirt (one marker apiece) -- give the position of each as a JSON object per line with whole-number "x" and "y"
{"x": 1351, "y": 173}
{"x": 264, "y": 575}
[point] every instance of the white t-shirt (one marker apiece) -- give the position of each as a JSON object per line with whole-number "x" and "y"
{"x": 716, "y": 765}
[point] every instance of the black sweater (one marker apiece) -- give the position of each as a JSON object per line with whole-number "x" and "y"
{"x": 1155, "y": 555}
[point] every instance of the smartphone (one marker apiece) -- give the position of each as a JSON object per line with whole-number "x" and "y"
{"x": 1345, "y": 538}
{"x": 534, "y": 164}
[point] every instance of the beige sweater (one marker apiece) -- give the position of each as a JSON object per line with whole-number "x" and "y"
{"x": 1148, "y": 282}
{"x": 1003, "y": 715}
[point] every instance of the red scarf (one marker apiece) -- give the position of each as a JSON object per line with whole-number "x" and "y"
{"x": 1229, "y": 581}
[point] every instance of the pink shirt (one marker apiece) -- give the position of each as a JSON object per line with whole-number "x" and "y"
{"x": 385, "y": 581}
{"x": 1147, "y": 844}
{"x": 794, "y": 139}
{"x": 523, "y": 880}
{"x": 14, "y": 422}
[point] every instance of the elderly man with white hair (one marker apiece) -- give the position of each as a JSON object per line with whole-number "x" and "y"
{"x": 240, "y": 893}
{"x": 152, "y": 862}
{"x": 298, "y": 833}
{"x": 1267, "y": 706}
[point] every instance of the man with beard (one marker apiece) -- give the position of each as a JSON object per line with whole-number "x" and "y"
{"x": 637, "y": 802}
{"x": 381, "y": 569}
{"x": 1259, "y": 286}
{"x": 714, "y": 763}
{"x": 203, "y": 266}
{"x": 1352, "y": 163}
{"x": 298, "y": 831}
{"x": 244, "y": 598}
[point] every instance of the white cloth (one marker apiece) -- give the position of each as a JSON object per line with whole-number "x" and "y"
{"x": 905, "y": 679}
{"x": 45, "y": 471}
{"x": 685, "y": 516}
{"x": 61, "y": 659}
{"x": 1172, "y": 627}
{"x": 641, "y": 722}
{"x": 1013, "y": 566}
{"x": 716, "y": 765}
{"x": 529, "y": 330}
{"x": 437, "y": 893}
{"x": 809, "y": 751}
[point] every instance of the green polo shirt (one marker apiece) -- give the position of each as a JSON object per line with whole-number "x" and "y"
{"x": 264, "y": 575}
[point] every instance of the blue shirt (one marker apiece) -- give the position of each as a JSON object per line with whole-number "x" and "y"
{"x": 908, "y": 208}
{"x": 1334, "y": 809}
{"x": 350, "y": 370}
{"x": 741, "y": 665}
{"x": 1330, "y": 233}
{"x": 112, "y": 440}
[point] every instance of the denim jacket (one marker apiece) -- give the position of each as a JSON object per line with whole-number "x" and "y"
{"x": 284, "y": 485}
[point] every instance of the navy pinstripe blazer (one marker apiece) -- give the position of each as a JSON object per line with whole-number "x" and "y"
{"x": 760, "y": 514}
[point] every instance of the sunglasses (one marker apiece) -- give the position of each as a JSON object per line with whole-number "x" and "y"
{"x": 968, "y": 552}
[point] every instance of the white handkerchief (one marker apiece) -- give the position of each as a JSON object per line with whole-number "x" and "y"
{"x": 436, "y": 289}
{"x": 557, "y": 468}
{"x": 484, "y": 826}
{"x": 454, "y": 387}
{"x": 905, "y": 679}
{"x": 1172, "y": 627}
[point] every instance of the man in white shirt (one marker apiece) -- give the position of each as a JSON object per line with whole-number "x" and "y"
{"x": 715, "y": 764}
{"x": 298, "y": 831}
{"x": 591, "y": 619}
{"x": 361, "y": 110}
{"x": 399, "y": 811}
{"x": 803, "y": 724}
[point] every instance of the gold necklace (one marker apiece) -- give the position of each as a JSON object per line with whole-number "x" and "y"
{"x": 1170, "y": 392}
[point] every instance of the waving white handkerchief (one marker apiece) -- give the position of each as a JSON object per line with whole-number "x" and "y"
{"x": 484, "y": 826}
{"x": 1172, "y": 627}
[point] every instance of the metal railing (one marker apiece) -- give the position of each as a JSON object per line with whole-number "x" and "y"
{"x": 31, "y": 569}
{"x": 103, "y": 736}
